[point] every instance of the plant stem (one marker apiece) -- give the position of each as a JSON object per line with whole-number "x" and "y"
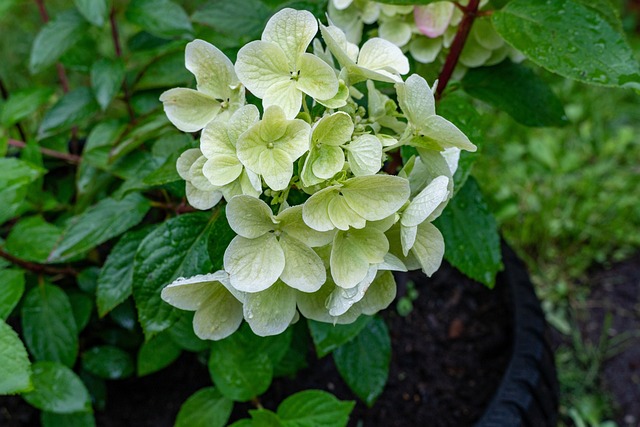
{"x": 470, "y": 14}
{"x": 37, "y": 268}
{"x": 71, "y": 158}
{"x": 117, "y": 47}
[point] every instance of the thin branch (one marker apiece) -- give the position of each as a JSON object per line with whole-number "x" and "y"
{"x": 470, "y": 13}
{"x": 71, "y": 158}
{"x": 38, "y": 268}
{"x": 178, "y": 208}
{"x": 116, "y": 45}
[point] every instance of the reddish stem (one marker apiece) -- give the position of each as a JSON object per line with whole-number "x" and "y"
{"x": 71, "y": 158}
{"x": 470, "y": 13}
{"x": 37, "y": 268}
{"x": 118, "y": 48}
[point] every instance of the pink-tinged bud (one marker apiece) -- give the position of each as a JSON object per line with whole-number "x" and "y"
{"x": 433, "y": 19}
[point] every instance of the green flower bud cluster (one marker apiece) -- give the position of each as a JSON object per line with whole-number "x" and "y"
{"x": 319, "y": 226}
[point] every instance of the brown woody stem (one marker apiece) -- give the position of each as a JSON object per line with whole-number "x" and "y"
{"x": 37, "y": 268}
{"x": 71, "y": 158}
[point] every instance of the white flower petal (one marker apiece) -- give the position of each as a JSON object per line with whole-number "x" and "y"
{"x": 425, "y": 203}
{"x": 334, "y": 129}
{"x": 328, "y": 161}
{"x": 392, "y": 263}
{"x": 445, "y": 134}
{"x": 315, "y": 210}
{"x": 242, "y": 120}
{"x": 376, "y": 197}
{"x": 202, "y": 200}
{"x": 189, "y": 293}
{"x": 416, "y": 100}
{"x": 349, "y": 265}
{"x": 291, "y": 223}
{"x": 271, "y": 311}
{"x": 188, "y": 109}
{"x": 197, "y": 177}
{"x": 249, "y": 217}
{"x": 219, "y": 315}
{"x": 395, "y": 31}
{"x": 260, "y": 65}
{"x": 185, "y": 161}
{"x": 345, "y": 52}
{"x": 286, "y": 95}
{"x": 342, "y": 216}
{"x": 214, "y": 140}
{"x": 276, "y": 168}
{"x": 341, "y": 300}
{"x": 303, "y": 269}
{"x": 292, "y": 30}
{"x": 221, "y": 170}
{"x": 433, "y": 19}
{"x": 408, "y": 236}
{"x": 425, "y": 50}
{"x": 379, "y": 295}
{"x": 365, "y": 155}
{"x": 317, "y": 79}
{"x": 254, "y": 264}
{"x": 213, "y": 70}
{"x": 428, "y": 248}
{"x": 379, "y": 54}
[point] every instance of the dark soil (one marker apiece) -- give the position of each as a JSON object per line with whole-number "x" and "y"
{"x": 449, "y": 355}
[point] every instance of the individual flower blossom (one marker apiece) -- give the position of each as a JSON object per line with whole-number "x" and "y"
{"x": 378, "y": 59}
{"x": 268, "y": 247}
{"x": 426, "y": 129}
{"x": 434, "y": 19}
{"x": 218, "y": 89}
{"x": 218, "y": 144}
{"x": 201, "y": 194}
{"x": 270, "y": 147}
{"x": 218, "y": 305}
{"x": 277, "y": 67}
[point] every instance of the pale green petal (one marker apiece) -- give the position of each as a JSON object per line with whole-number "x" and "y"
{"x": 334, "y": 129}
{"x": 452, "y": 157}
{"x": 189, "y": 293}
{"x": 425, "y": 203}
{"x": 328, "y": 161}
{"x": 307, "y": 176}
{"x": 473, "y": 54}
{"x": 221, "y": 170}
{"x": 219, "y": 316}
{"x": 315, "y": 210}
{"x": 215, "y": 140}
{"x": 428, "y": 248}
{"x": 185, "y": 161}
{"x": 213, "y": 70}
{"x": 202, "y": 200}
{"x": 416, "y": 100}
{"x": 291, "y": 223}
{"x": 349, "y": 264}
{"x": 316, "y": 78}
{"x": 408, "y": 236}
{"x": 286, "y": 95}
{"x": 276, "y": 168}
{"x": 376, "y": 197}
{"x": 433, "y": 19}
{"x": 341, "y": 4}
{"x": 445, "y": 134}
{"x": 340, "y": 98}
{"x": 341, "y": 299}
{"x": 380, "y": 294}
{"x": 345, "y": 52}
{"x": 385, "y": 223}
{"x": 197, "y": 177}
{"x": 372, "y": 243}
{"x": 430, "y": 165}
{"x": 380, "y": 54}
{"x": 342, "y": 216}
{"x": 292, "y": 30}
{"x": 250, "y": 183}
{"x": 392, "y": 263}
{"x": 303, "y": 268}
{"x": 271, "y": 311}
{"x": 395, "y": 31}
{"x": 254, "y": 264}
{"x": 486, "y": 35}
{"x": 295, "y": 142}
{"x": 249, "y": 217}
{"x": 425, "y": 50}
{"x": 273, "y": 125}
{"x": 260, "y": 65}
{"x": 313, "y": 306}
{"x": 365, "y": 155}
{"x": 242, "y": 120}
{"x": 350, "y": 20}
{"x": 188, "y": 109}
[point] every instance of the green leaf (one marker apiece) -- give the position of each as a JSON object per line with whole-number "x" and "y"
{"x": 97, "y": 225}
{"x": 264, "y": 418}
{"x": 15, "y": 368}
{"x": 183, "y": 335}
{"x": 32, "y": 239}
{"x": 115, "y": 281}
{"x": 94, "y": 11}
{"x": 407, "y": 2}
{"x": 220, "y": 236}
{"x": 471, "y": 235}
{"x": 164, "y": 174}
{"x": 327, "y": 337}
{"x": 70, "y": 110}
{"x": 100, "y": 141}
{"x": 74, "y": 419}
{"x": 364, "y": 362}
{"x": 15, "y": 177}
{"x": 517, "y": 90}
{"x": 48, "y": 325}
{"x": 244, "y": 20}
{"x": 205, "y": 408}
{"x": 82, "y": 307}
{"x": 314, "y": 408}
{"x": 571, "y": 39}
{"x": 24, "y": 103}
{"x": 295, "y": 358}
{"x": 55, "y": 38}
{"x": 156, "y": 354}
{"x": 11, "y": 290}
{"x": 56, "y": 388}
{"x": 166, "y": 71}
{"x": 108, "y": 362}
{"x": 175, "y": 249}
{"x": 106, "y": 78}
{"x": 239, "y": 367}
{"x": 162, "y": 18}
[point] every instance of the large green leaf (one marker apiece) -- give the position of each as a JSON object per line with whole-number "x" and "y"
{"x": 15, "y": 368}
{"x": 314, "y": 408}
{"x": 116, "y": 276}
{"x": 11, "y": 290}
{"x": 183, "y": 335}
{"x": 205, "y": 408}
{"x": 242, "y": 20}
{"x": 32, "y": 239}
{"x": 517, "y": 90}
{"x": 219, "y": 238}
{"x": 472, "y": 242}
{"x": 73, "y": 419}
{"x": 57, "y": 388}
{"x": 162, "y": 18}
{"x": 104, "y": 221}
{"x": 55, "y": 38}
{"x": 70, "y": 110}
{"x": 327, "y": 337}
{"x": 94, "y": 11}
{"x": 571, "y": 39}
{"x": 106, "y": 78}
{"x": 157, "y": 353}
{"x": 166, "y": 71}
{"x": 48, "y": 325}
{"x": 15, "y": 177}
{"x": 177, "y": 248}
{"x": 23, "y": 103}
{"x": 364, "y": 361}
{"x": 108, "y": 362}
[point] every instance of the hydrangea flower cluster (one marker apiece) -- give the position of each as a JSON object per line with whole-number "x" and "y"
{"x": 423, "y": 31}
{"x": 319, "y": 226}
